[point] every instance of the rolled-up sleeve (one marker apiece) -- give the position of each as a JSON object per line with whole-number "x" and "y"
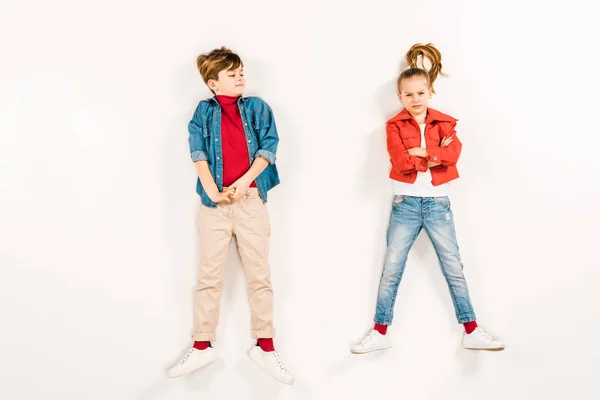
{"x": 270, "y": 157}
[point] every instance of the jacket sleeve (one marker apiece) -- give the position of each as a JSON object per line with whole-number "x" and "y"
{"x": 401, "y": 160}
{"x": 268, "y": 138}
{"x": 198, "y": 148}
{"x": 449, "y": 155}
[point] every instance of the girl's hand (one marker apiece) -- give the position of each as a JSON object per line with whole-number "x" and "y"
{"x": 446, "y": 142}
{"x": 418, "y": 152}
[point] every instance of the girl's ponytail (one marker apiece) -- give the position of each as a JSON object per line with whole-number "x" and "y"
{"x": 417, "y": 54}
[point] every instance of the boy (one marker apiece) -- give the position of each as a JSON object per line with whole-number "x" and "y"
{"x": 233, "y": 142}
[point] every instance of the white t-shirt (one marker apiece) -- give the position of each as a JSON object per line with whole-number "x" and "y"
{"x": 422, "y": 186}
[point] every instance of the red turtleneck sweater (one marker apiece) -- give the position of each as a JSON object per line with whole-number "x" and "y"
{"x": 236, "y": 161}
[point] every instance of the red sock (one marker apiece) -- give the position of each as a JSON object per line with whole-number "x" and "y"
{"x": 201, "y": 345}
{"x": 381, "y": 328}
{"x": 470, "y": 327}
{"x": 266, "y": 344}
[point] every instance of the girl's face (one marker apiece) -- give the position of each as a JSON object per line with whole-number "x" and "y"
{"x": 414, "y": 95}
{"x": 229, "y": 82}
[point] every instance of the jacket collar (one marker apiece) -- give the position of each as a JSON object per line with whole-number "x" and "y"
{"x": 432, "y": 116}
{"x": 214, "y": 98}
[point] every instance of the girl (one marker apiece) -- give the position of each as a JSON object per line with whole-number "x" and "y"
{"x": 424, "y": 150}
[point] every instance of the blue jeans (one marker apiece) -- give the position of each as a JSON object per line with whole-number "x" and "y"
{"x": 409, "y": 216}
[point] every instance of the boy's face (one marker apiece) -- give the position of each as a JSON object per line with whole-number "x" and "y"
{"x": 414, "y": 95}
{"x": 229, "y": 82}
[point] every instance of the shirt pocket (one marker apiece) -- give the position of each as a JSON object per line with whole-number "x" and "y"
{"x": 254, "y": 127}
{"x": 409, "y": 138}
{"x": 206, "y": 137}
{"x": 208, "y": 144}
{"x": 256, "y": 124}
{"x": 434, "y": 135}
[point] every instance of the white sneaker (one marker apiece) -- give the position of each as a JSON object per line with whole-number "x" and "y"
{"x": 481, "y": 340}
{"x": 372, "y": 341}
{"x": 193, "y": 360}
{"x": 271, "y": 363}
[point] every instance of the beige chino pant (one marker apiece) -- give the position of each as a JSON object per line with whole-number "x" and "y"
{"x": 248, "y": 221}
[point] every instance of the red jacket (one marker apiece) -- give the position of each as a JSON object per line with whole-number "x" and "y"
{"x": 404, "y": 133}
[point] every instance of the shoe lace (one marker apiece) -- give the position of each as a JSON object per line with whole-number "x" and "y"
{"x": 277, "y": 358}
{"x": 367, "y": 338}
{"x": 184, "y": 359}
{"x": 485, "y": 334}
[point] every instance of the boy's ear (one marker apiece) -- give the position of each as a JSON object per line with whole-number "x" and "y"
{"x": 212, "y": 84}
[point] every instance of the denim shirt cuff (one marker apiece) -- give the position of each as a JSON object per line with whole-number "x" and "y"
{"x": 199, "y": 156}
{"x": 270, "y": 157}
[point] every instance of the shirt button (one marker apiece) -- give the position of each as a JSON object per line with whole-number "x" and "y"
{"x": 435, "y": 158}
{"x": 218, "y": 158}
{"x": 218, "y": 176}
{"x": 246, "y": 124}
{"x": 216, "y": 140}
{"x": 249, "y": 141}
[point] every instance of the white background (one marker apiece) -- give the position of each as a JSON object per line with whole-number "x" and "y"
{"x": 98, "y": 252}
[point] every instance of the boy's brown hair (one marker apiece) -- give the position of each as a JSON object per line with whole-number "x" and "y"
{"x": 210, "y": 64}
{"x": 417, "y": 53}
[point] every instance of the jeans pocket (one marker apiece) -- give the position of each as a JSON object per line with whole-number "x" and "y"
{"x": 399, "y": 199}
{"x": 444, "y": 201}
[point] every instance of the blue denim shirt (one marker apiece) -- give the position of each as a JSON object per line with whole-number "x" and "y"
{"x": 261, "y": 138}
